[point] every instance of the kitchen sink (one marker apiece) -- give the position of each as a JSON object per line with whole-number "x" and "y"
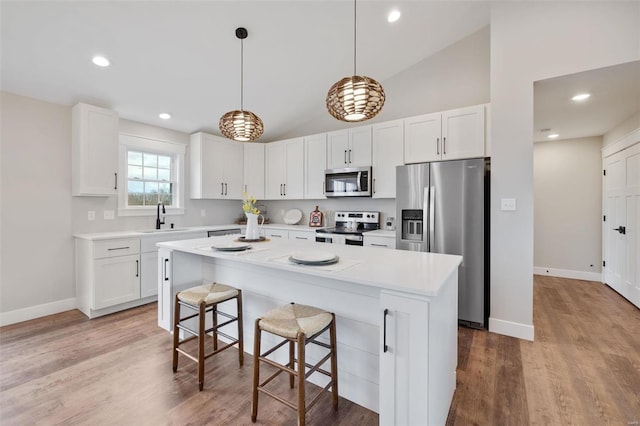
{"x": 154, "y": 231}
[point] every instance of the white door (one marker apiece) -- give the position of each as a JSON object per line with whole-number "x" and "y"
{"x": 233, "y": 173}
{"x": 337, "y": 149}
{"x": 359, "y": 151}
{"x": 622, "y": 221}
{"x": 315, "y": 157}
{"x": 463, "y": 133}
{"x": 149, "y": 274}
{"x": 254, "y": 169}
{"x": 274, "y": 171}
{"x": 117, "y": 280}
{"x": 294, "y": 172}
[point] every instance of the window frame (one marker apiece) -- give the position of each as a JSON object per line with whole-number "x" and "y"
{"x": 175, "y": 150}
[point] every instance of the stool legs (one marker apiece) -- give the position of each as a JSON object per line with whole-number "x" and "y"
{"x": 334, "y": 362}
{"x": 176, "y": 336}
{"x": 256, "y": 371}
{"x": 201, "y": 334}
{"x": 240, "y": 330}
{"x": 302, "y": 412}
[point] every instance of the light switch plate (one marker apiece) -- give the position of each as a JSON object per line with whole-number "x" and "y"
{"x": 203, "y": 212}
{"x": 91, "y": 215}
{"x": 508, "y": 204}
{"x": 108, "y": 214}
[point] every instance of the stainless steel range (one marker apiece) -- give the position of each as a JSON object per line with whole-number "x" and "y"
{"x": 349, "y": 228}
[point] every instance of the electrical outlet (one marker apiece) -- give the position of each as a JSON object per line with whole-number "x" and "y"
{"x": 508, "y": 204}
{"x": 91, "y": 215}
{"x": 108, "y": 215}
{"x": 203, "y": 212}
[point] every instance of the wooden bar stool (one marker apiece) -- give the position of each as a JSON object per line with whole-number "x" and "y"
{"x": 203, "y": 299}
{"x": 297, "y": 324}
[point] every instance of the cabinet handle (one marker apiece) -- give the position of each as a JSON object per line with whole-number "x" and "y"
{"x": 345, "y": 156}
{"x": 115, "y": 185}
{"x": 226, "y": 187}
{"x": 284, "y": 185}
{"x": 437, "y": 146}
{"x": 221, "y": 188}
{"x": 166, "y": 278}
{"x": 245, "y": 187}
{"x": 444, "y": 145}
{"x": 301, "y": 238}
{"x": 280, "y": 189}
{"x": 374, "y": 185}
{"x": 276, "y": 235}
{"x": 379, "y": 245}
{"x": 118, "y": 248}
{"x": 137, "y": 268}
{"x": 349, "y": 156}
{"x": 384, "y": 331}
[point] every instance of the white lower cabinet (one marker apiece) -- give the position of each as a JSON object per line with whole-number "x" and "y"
{"x": 302, "y": 235}
{"x": 276, "y": 233}
{"x": 149, "y": 272}
{"x": 107, "y": 274}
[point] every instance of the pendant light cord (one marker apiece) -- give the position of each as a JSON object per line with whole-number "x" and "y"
{"x": 354, "y": 36}
{"x": 241, "y": 75}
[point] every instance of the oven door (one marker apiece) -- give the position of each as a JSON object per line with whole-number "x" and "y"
{"x": 322, "y": 237}
{"x": 354, "y": 240}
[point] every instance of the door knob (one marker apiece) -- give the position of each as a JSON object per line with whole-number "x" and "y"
{"x": 621, "y": 229}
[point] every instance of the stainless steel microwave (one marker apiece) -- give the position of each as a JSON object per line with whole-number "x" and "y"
{"x": 348, "y": 182}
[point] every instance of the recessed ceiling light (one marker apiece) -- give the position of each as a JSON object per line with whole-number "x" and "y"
{"x": 393, "y": 16}
{"x": 581, "y": 97}
{"x": 164, "y": 115}
{"x": 100, "y": 61}
{"x": 553, "y": 135}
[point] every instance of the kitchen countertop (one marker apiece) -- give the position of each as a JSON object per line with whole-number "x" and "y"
{"x": 181, "y": 230}
{"x": 407, "y": 271}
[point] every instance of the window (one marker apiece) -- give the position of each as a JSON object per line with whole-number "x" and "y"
{"x": 149, "y": 179}
{"x": 151, "y": 172}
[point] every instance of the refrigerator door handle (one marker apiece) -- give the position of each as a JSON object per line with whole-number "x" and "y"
{"x": 432, "y": 219}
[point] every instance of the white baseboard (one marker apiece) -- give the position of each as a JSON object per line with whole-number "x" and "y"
{"x": 38, "y": 311}
{"x": 567, "y": 273}
{"x": 513, "y": 329}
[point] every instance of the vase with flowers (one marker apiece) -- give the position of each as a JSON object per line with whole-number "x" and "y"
{"x": 253, "y": 214}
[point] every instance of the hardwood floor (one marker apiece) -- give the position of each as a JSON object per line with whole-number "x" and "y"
{"x": 583, "y": 368}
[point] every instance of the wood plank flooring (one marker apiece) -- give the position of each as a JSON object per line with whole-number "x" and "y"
{"x": 582, "y": 369}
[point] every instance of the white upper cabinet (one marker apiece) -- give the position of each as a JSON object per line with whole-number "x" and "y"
{"x": 94, "y": 153}
{"x": 463, "y": 133}
{"x": 349, "y": 148}
{"x": 422, "y": 138}
{"x": 315, "y": 157}
{"x": 387, "y": 154}
{"x": 448, "y": 135}
{"x": 284, "y": 169}
{"x": 254, "y": 169}
{"x": 216, "y": 167}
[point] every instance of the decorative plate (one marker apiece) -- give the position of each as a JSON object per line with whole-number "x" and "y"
{"x": 314, "y": 258}
{"x": 231, "y": 246}
{"x": 293, "y": 216}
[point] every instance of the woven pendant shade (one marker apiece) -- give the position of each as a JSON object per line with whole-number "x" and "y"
{"x": 356, "y": 98}
{"x": 241, "y": 126}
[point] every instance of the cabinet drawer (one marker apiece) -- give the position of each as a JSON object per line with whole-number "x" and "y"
{"x": 379, "y": 242}
{"x": 302, "y": 235}
{"x": 113, "y": 248}
{"x": 276, "y": 233}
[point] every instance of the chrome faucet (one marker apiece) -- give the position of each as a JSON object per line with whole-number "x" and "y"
{"x": 158, "y": 221}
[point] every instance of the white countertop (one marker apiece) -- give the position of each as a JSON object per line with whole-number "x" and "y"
{"x": 182, "y": 230}
{"x": 406, "y": 271}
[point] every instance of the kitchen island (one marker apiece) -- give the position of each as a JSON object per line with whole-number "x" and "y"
{"x": 396, "y": 313}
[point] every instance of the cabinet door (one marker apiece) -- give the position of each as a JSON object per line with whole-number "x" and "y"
{"x": 254, "y": 169}
{"x": 116, "y": 280}
{"x": 274, "y": 171}
{"x": 148, "y": 274}
{"x": 294, "y": 166}
{"x": 206, "y": 161}
{"x": 403, "y": 363}
{"x": 94, "y": 150}
{"x": 422, "y": 138}
{"x": 302, "y": 235}
{"x": 315, "y": 161}
{"x": 378, "y": 241}
{"x": 359, "y": 151}
{"x": 337, "y": 149}
{"x": 276, "y": 233}
{"x": 165, "y": 294}
{"x": 463, "y": 133}
{"x": 387, "y": 154}
{"x": 233, "y": 170}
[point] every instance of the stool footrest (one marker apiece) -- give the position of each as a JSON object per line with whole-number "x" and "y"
{"x": 279, "y": 398}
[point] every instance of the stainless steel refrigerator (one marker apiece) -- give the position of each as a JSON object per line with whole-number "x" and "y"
{"x": 442, "y": 207}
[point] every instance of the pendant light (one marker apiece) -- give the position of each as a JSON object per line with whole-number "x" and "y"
{"x": 355, "y": 98}
{"x": 241, "y": 125}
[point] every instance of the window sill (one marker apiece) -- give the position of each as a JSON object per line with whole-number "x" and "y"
{"x": 151, "y": 211}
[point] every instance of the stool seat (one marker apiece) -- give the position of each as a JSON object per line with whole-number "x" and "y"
{"x": 293, "y": 319}
{"x": 209, "y": 293}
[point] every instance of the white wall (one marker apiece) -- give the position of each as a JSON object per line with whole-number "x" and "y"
{"x": 532, "y": 41}
{"x": 454, "y": 77}
{"x": 621, "y": 130}
{"x": 567, "y": 183}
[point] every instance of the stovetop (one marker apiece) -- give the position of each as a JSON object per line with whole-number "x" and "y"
{"x": 353, "y": 223}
